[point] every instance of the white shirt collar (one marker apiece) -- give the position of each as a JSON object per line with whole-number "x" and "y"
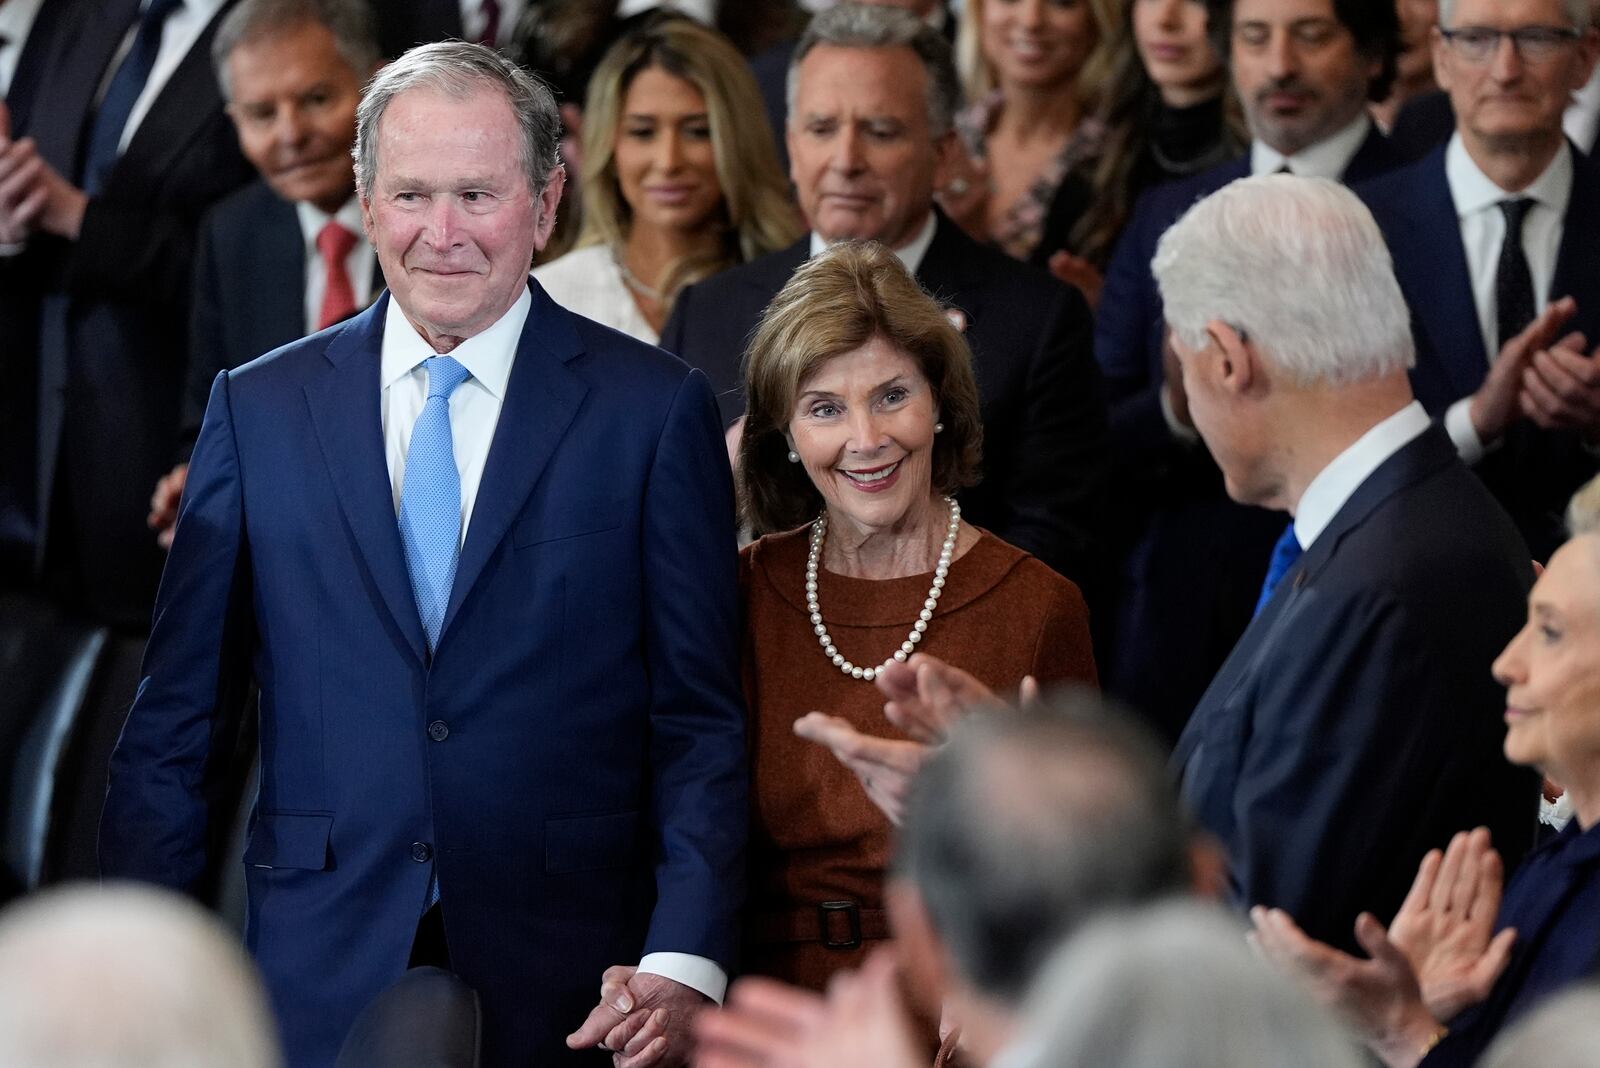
{"x": 1335, "y": 483}
{"x": 910, "y": 254}
{"x": 313, "y": 219}
{"x": 1327, "y": 158}
{"x": 487, "y": 356}
{"x": 700, "y": 10}
{"x": 1473, "y": 191}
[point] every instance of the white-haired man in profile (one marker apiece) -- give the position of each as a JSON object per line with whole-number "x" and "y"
{"x": 129, "y": 976}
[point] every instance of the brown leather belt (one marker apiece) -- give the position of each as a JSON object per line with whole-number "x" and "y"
{"x": 836, "y": 924}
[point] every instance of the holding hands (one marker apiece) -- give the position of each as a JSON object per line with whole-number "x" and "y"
{"x": 1439, "y": 956}
{"x": 642, "y": 1019}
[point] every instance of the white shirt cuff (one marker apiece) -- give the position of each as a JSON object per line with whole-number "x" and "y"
{"x": 1186, "y": 434}
{"x": 698, "y": 973}
{"x": 1458, "y": 424}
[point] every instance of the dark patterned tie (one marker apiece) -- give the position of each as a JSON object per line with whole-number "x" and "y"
{"x": 1513, "y": 282}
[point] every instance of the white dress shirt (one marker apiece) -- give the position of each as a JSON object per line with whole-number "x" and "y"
{"x": 1327, "y": 158}
{"x": 1338, "y": 482}
{"x": 1483, "y": 231}
{"x": 16, "y": 19}
{"x": 178, "y": 35}
{"x": 910, "y": 254}
{"x": 587, "y": 281}
{"x": 474, "y": 22}
{"x": 359, "y": 262}
{"x": 474, "y": 412}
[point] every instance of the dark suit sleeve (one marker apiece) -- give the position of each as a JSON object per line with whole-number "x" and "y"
{"x": 697, "y": 717}
{"x": 1055, "y": 489}
{"x": 155, "y": 823}
{"x": 1374, "y": 719}
{"x": 133, "y": 252}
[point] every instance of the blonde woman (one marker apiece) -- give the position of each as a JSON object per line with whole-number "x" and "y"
{"x": 1033, "y": 70}
{"x": 679, "y": 181}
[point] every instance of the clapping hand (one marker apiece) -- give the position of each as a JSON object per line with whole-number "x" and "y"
{"x": 642, "y": 1019}
{"x": 33, "y": 196}
{"x": 862, "y": 1023}
{"x": 1504, "y": 394}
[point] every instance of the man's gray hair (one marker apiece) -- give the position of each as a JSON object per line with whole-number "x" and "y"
{"x": 1027, "y": 823}
{"x": 1298, "y": 266}
{"x": 349, "y": 21}
{"x": 1174, "y": 983}
{"x": 460, "y": 70}
{"x": 1580, "y": 13}
{"x": 127, "y": 975}
{"x": 1562, "y": 1032}
{"x": 885, "y": 26}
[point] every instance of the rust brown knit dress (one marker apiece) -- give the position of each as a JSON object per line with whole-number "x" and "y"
{"x": 815, "y": 836}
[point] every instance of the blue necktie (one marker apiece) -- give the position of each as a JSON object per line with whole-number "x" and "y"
{"x": 430, "y": 500}
{"x": 105, "y": 133}
{"x": 1284, "y": 555}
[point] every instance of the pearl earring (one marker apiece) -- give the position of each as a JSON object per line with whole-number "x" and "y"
{"x": 794, "y": 457}
{"x": 938, "y": 428}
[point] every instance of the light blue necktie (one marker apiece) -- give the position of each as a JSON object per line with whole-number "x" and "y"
{"x": 430, "y": 501}
{"x": 1284, "y": 556}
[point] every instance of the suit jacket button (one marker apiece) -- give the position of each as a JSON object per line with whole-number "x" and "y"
{"x": 421, "y": 852}
{"x": 438, "y": 731}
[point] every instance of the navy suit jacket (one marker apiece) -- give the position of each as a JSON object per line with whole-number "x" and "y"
{"x": 1044, "y": 453}
{"x": 1533, "y": 472}
{"x": 1356, "y": 725}
{"x": 249, "y": 290}
{"x": 1190, "y": 560}
{"x": 113, "y": 306}
{"x": 570, "y": 760}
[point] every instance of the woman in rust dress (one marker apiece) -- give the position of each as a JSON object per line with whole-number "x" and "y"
{"x": 862, "y": 426}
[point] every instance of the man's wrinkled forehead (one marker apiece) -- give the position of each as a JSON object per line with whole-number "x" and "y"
{"x": 862, "y": 83}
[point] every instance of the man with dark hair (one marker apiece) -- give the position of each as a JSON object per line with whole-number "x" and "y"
{"x": 1499, "y": 230}
{"x": 284, "y": 256}
{"x": 478, "y": 554}
{"x": 1191, "y": 561}
{"x": 873, "y": 90}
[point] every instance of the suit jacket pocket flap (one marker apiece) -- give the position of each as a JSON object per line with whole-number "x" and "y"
{"x": 574, "y": 519}
{"x": 588, "y": 843}
{"x": 290, "y": 840}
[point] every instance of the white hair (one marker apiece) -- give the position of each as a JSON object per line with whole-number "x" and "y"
{"x": 1562, "y": 1032}
{"x": 1578, "y": 13}
{"x": 127, "y": 977}
{"x": 1173, "y": 984}
{"x": 1299, "y": 267}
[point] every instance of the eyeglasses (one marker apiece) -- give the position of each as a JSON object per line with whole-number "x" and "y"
{"x": 1476, "y": 44}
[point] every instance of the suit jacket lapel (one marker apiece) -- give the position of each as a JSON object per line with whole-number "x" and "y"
{"x": 1441, "y": 287}
{"x": 65, "y": 97}
{"x": 1375, "y": 156}
{"x": 542, "y": 398}
{"x": 345, "y": 410}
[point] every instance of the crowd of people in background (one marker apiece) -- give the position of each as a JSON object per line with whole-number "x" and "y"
{"x": 800, "y": 534}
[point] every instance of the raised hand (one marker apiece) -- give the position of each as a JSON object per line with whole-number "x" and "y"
{"x": 1445, "y": 928}
{"x": 884, "y": 766}
{"x": 925, "y": 696}
{"x": 1499, "y": 401}
{"x": 643, "y": 1019}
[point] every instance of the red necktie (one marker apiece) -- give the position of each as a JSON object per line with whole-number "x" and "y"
{"x": 491, "y": 23}
{"x": 338, "y": 296}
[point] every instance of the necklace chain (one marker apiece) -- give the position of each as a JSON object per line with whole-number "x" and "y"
{"x": 819, "y": 534}
{"x": 633, "y": 282}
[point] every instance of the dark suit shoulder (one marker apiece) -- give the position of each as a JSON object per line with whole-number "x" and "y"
{"x": 1393, "y": 193}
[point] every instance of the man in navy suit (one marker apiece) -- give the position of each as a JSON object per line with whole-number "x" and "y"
{"x": 284, "y": 256}
{"x": 1356, "y": 724}
{"x": 1526, "y": 416}
{"x": 478, "y": 554}
{"x": 869, "y": 140}
{"x": 1190, "y": 560}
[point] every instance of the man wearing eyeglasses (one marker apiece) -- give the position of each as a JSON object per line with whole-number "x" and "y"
{"x": 1496, "y": 242}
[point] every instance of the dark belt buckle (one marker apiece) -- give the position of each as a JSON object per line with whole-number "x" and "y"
{"x": 852, "y": 914}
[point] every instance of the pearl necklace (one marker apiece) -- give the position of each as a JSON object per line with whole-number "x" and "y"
{"x": 819, "y": 532}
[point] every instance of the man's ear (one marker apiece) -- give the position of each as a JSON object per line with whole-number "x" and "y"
{"x": 1438, "y": 46}
{"x": 945, "y": 148}
{"x": 366, "y": 217}
{"x": 1236, "y": 367}
{"x": 549, "y": 200}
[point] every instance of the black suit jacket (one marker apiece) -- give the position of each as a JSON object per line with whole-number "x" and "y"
{"x": 1356, "y": 725}
{"x": 249, "y": 291}
{"x": 115, "y": 309}
{"x": 1533, "y": 472}
{"x": 1190, "y": 560}
{"x": 1043, "y": 419}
